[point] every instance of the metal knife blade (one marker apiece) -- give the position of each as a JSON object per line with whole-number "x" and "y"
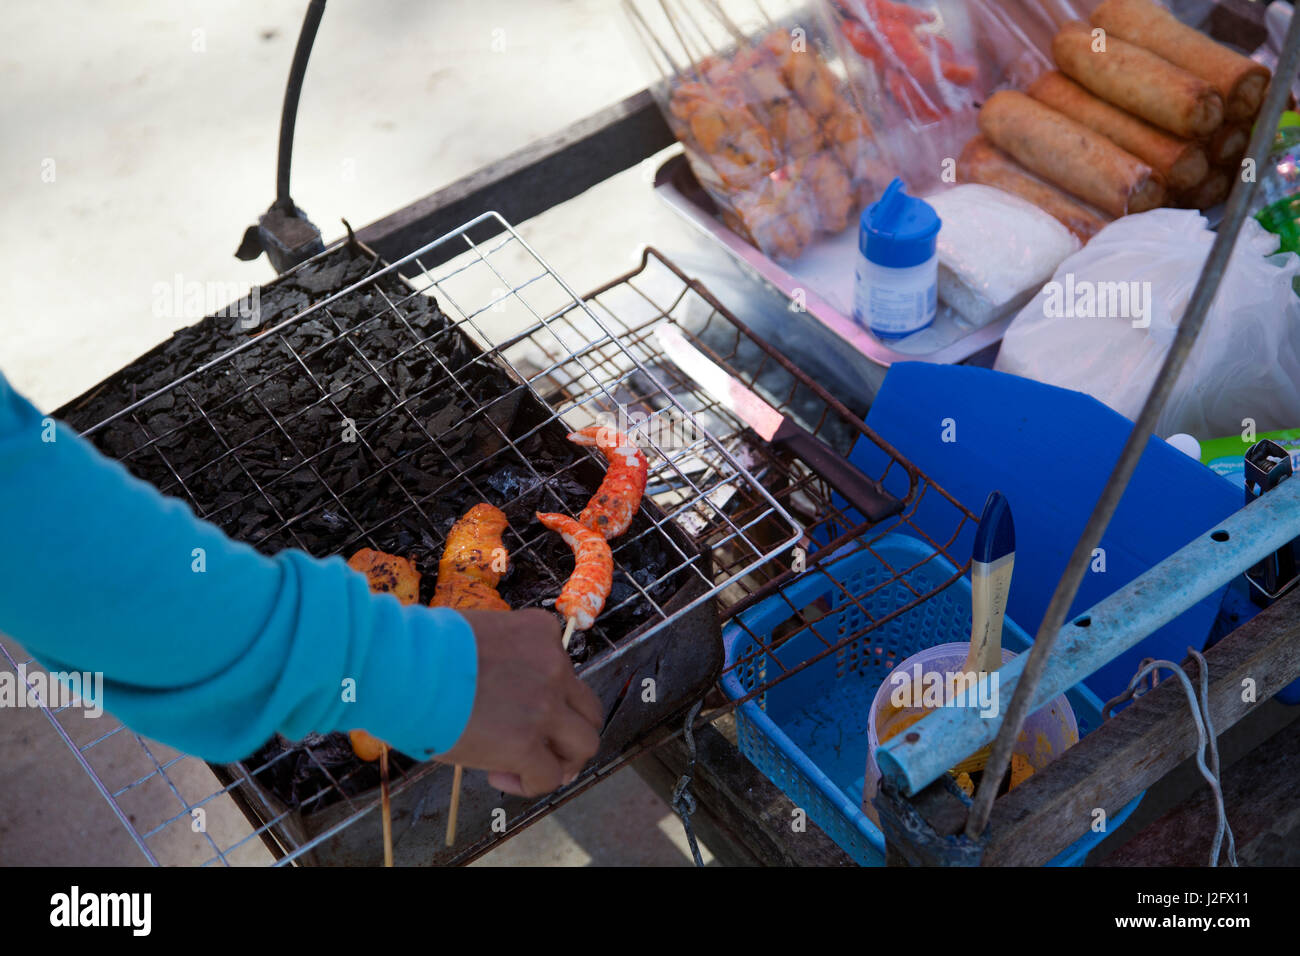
{"x": 719, "y": 383}
{"x": 863, "y": 493}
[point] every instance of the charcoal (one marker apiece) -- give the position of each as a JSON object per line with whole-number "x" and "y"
{"x": 328, "y": 279}
{"x": 510, "y": 482}
{"x": 303, "y": 485}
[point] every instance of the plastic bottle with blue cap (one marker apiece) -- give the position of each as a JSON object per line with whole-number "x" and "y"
{"x": 897, "y": 292}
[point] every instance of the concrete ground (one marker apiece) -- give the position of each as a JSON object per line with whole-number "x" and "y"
{"x": 52, "y": 814}
{"x": 141, "y": 142}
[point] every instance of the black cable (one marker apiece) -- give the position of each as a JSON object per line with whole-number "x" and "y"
{"x": 289, "y": 115}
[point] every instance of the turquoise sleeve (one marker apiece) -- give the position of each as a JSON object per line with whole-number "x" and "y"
{"x": 203, "y": 642}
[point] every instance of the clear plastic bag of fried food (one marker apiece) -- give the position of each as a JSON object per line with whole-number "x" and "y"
{"x": 770, "y": 125}
{"x": 921, "y": 68}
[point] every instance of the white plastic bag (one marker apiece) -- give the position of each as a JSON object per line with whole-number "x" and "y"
{"x": 1105, "y": 322}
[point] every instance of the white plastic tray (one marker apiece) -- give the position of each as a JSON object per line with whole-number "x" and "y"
{"x": 822, "y": 280}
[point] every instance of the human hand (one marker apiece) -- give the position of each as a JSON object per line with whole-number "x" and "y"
{"x": 534, "y": 724}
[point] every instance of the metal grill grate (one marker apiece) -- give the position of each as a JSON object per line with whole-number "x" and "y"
{"x": 748, "y": 506}
{"x": 663, "y": 293}
{"x": 521, "y": 314}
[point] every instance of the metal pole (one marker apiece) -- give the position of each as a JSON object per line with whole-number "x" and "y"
{"x": 1188, "y": 330}
{"x": 289, "y": 113}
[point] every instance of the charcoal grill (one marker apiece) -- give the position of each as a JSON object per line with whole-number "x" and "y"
{"x": 739, "y": 518}
{"x": 347, "y": 337}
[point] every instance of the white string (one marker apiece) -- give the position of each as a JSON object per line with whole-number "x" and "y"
{"x": 1207, "y": 740}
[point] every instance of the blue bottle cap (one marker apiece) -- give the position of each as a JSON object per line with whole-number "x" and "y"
{"x": 899, "y": 231}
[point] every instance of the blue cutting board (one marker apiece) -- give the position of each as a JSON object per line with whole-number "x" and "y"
{"x": 1050, "y": 451}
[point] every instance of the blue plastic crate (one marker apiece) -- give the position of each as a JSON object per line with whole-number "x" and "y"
{"x": 808, "y": 733}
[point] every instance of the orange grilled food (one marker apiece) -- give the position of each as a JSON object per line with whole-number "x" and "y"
{"x": 613, "y": 506}
{"x": 470, "y": 569}
{"x": 473, "y": 562}
{"x": 387, "y": 574}
{"x": 583, "y": 596}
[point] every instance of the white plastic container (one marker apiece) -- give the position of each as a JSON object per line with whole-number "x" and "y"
{"x": 1045, "y": 735}
{"x": 897, "y": 290}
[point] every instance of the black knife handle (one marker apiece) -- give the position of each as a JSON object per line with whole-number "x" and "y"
{"x": 863, "y": 493}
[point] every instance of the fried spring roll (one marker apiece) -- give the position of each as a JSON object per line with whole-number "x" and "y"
{"x": 1181, "y": 162}
{"x": 1238, "y": 79}
{"x": 1139, "y": 81}
{"x": 982, "y": 162}
{"x": 1228, "y": 145}
{"x": 1208, "y": 194}
{"x": 1070, "y": 155}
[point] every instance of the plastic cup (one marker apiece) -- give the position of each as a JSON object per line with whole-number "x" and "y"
{"x": 1046, "y": 734}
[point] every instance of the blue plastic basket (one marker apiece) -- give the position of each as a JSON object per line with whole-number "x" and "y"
{"x": 808, "y": 733}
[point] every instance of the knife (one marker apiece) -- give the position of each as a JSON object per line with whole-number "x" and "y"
{"x": 862, "y": 492}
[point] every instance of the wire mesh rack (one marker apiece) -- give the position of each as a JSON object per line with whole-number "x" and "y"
{"x": 833, "y": 532}
{"x": 738, "y": 519}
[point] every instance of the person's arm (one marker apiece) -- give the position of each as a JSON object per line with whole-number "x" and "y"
{"x": 206, "y": 644}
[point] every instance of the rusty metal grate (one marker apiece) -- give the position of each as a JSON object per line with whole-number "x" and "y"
{"x": 664, "y": 293}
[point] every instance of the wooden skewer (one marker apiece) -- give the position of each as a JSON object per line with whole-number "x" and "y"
{"x": 454, "y": 812}
{"x": 729, "y": 24}
{"x": 386, "y": 809}
{"x": 706, "y": 44}
{"x": 672, "y": 22}
{"x": 653, "y": 42}
{"x": 568, "y": 632}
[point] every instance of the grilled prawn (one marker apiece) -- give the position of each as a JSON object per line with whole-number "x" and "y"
{"x": 583, "y": 596}
{"x": 468, "y": 574}
{"x": 613, "y": 506}
{"x": 387, "y": 574}
{"x": 473, "y": 562}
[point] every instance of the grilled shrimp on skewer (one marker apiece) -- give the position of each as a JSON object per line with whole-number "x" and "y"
{"x": 473, "y": 562}
{"x": 470, "y": 569}
{"x": 614, "y": 504}
{"x": 583, "y": 596}
{"x": 386, "y": 574}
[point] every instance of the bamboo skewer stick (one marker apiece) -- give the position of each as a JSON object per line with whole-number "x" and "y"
{"x": 701, "y": 34}
{"x": 386, "y": 810}
{"x": 643, "y": 31}
{"x": 672, "y": 22}
{"x": 731, "y": 27}
{"x": 454, "y": 812}
{"x": 568, "y": 632}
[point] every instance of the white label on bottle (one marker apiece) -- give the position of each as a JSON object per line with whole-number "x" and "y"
{"x": 894, "y": 308}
